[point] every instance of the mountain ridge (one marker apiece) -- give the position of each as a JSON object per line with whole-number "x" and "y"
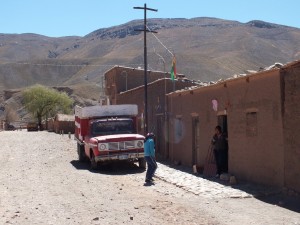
{"x": 206, "y": 49}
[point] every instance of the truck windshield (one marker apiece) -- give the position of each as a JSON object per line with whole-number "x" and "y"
{"x": 108, "y": 127}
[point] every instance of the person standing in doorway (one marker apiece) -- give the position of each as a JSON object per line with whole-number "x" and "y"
{"x": 219, "y": 143}
{"x": 149, "y": 154}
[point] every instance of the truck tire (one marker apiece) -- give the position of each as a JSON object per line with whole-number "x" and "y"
{"x": 142, "y": 163}
{"x": 81, "y": 153}
{"x": 94, "y": 164}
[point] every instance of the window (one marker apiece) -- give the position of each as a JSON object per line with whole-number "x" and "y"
{"x": 109, "y": 127}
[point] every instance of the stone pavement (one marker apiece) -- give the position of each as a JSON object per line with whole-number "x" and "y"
{"x": 198, "y": 185}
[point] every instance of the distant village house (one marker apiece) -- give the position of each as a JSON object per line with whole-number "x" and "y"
{"x": 63, "y": 123}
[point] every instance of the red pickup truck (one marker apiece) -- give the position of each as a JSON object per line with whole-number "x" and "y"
{"x": 108, "y": 133}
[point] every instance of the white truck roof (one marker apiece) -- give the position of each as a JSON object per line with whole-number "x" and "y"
{"x": 106, "y": 110}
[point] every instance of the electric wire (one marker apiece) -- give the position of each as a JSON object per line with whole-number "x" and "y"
{"x": 160, "y": 41}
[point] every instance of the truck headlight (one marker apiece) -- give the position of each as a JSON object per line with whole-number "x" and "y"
{"x": 140, "y": 144}
{"x": 102, "y": 146}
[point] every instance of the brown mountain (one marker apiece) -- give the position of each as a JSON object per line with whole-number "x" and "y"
{"x": 205, "y": 48}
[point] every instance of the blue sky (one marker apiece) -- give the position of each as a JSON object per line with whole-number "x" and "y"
{"x": 58, "y": 18}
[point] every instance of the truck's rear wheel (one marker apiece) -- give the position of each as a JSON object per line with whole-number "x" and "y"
{"x": 81, "y": 153}
{"x": 142, "y": 163}
{"x": 94, "y": 164}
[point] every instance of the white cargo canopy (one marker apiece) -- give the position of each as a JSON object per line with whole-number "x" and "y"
{"x": 106, "y": 110}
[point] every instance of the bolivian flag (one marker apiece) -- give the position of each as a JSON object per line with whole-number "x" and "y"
{"x": 173, "y": 69}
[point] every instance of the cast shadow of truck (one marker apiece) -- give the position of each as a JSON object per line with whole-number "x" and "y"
{"x": 112, "y": 168}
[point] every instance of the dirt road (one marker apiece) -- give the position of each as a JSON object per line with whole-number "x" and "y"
{"x": 41, "y": 182}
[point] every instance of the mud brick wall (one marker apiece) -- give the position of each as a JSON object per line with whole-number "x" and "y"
{"x": 253, "y": 108}
{"x": 291, "y": 124}
{"x": 121, "y": 79}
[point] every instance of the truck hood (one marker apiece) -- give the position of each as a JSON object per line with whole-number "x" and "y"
{"x": 120, "y": 137}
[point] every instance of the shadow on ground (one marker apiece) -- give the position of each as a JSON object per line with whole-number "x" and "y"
{"x": 113, "y": 168}
{"x": 267, "y": 194}
{"x": 282, "y": 200}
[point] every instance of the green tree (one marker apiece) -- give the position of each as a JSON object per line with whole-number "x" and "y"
{"x": 42, "y": 102}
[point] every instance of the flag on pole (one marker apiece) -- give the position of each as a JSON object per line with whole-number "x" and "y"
{"x": 173, "y": 69}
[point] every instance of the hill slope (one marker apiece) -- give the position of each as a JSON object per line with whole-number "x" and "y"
{"x": 205, "y": 48}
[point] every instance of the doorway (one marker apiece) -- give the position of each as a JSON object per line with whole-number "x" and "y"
{"x": 195, "y": 141}
{"x": 222, "y": 122}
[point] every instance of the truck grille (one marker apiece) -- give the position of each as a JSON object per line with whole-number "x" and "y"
{"x": 124, "y": 145}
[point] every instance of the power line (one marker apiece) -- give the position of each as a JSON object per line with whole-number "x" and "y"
{"x": 161, "y": 42}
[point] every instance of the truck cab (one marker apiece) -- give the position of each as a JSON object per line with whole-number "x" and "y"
{"x": 108, "y": 133}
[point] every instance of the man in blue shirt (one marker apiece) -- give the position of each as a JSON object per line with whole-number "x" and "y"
{"x": 149, "y": 153}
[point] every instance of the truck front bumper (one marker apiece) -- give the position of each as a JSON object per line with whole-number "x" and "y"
{"x": 123, "y": 156}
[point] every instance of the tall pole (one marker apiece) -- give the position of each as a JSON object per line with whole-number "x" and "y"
{"x": 145, "y": 30}
{"x": 145, "y": 70}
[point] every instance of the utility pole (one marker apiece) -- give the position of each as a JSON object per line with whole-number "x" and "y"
{"x": 145, "y": 30}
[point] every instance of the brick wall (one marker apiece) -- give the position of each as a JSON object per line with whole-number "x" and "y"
{"x": 253, "y": 108}
{"x": 291, "y": 124}
{"x": 255, "y": 129}
{"x": 121, "y": 79}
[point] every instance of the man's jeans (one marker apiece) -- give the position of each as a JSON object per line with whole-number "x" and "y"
{"x": 151, "y": 167}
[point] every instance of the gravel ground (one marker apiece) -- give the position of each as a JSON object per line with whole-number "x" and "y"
{"x": 41, "y": 182}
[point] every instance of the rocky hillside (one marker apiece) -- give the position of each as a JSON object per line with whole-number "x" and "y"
{"x": 205, "y": 48}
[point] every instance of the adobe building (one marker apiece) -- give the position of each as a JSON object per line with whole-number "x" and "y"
{"x": 291, "y": 124}
{"x": 157, "y": 108}
{"x": 50, "y": 124}
{"x": 120, "y": 79}
{"x": 64, "y": 124}
{"x": 260, "y": 114}
{"x": 128, "y": 88}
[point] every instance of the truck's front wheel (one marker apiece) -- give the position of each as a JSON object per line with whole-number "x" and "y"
{"x": 94, "y": 164}
{"x": 81, "y": 153}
